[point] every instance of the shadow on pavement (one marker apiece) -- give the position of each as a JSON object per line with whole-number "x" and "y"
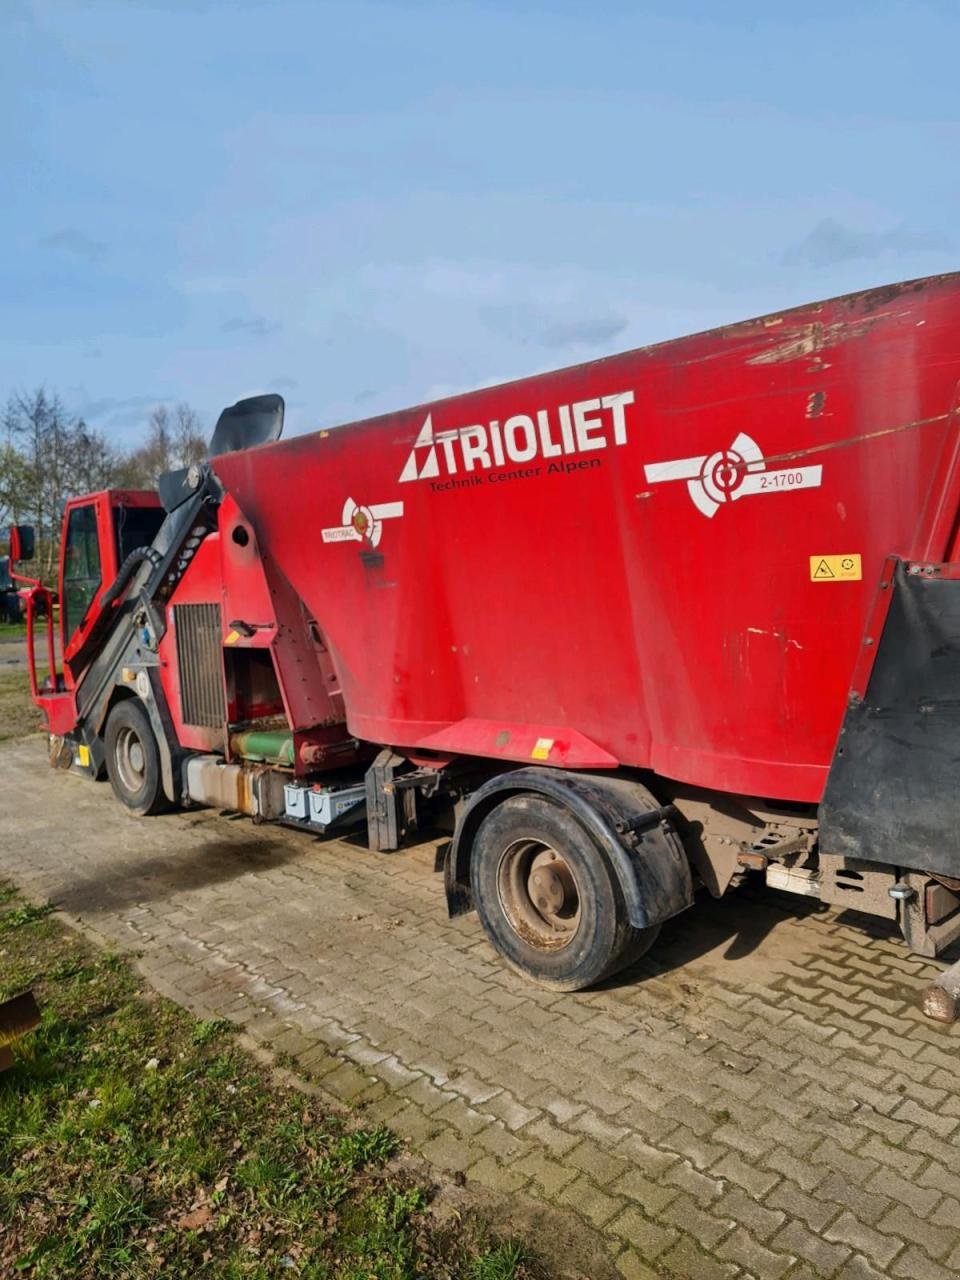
{"x": 153, "y": 879}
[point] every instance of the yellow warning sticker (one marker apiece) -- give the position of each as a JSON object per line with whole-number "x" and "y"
{"x": 835, "y": 569}
{"x": 542, "y": 749}
{"x": 83, "y": 756}
{"x": 232, "y": 637}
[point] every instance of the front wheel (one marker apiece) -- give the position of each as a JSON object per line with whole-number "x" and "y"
{"x": 133, "y": 759}
{"x": 548, "y": 899}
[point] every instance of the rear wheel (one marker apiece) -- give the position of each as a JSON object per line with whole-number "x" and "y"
{"x": 548, "y": 899}
{"x": 133, "y": 759}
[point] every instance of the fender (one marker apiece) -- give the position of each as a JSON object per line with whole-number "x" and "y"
{"x": 153, "y": 700}
{"x": 636, "y": 834}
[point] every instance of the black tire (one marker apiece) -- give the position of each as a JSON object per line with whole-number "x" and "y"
{"x": 133, "y": 759}
{"x": 548, "y": 899}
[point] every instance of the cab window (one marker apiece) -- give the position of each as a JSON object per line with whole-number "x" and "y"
{"x": 136, "y": 527}
{"x": 81, "y": 567}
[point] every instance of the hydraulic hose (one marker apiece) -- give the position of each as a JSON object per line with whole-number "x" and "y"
{"x": 126, "y": 571}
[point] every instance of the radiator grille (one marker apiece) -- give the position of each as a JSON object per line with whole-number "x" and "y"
{"x": 199, "y": 658}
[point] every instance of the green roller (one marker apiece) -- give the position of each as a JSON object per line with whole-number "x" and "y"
{"x": 273, "y": 746}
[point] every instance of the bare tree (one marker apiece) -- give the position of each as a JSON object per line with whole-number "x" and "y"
{"x": 13, "y": 485}
{"x": 190, "y": 439}
{"x": 49, "y": 457}
{"x": 28, "y": 421}
{"x": 174, "y": 439}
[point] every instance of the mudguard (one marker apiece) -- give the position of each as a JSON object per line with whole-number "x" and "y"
{"x": 634, "y": 832}
{"x": 892, "y": 795}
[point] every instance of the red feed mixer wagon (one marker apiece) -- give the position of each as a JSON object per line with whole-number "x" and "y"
{"x": 631, "y": 629}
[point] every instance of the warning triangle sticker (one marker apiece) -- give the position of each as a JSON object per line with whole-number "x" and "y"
{"x": 823, "y": 570}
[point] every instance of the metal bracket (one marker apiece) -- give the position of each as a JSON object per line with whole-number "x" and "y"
{"x": 391, "y": 802}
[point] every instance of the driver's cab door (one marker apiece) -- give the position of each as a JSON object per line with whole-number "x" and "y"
{"x": 99, "y": 532}
{"x": 88, "y": 564}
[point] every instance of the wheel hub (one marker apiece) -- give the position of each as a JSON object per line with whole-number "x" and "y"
{"x": 131, "y": 759}
{"x": 539, "y": 894}
{"x": 550, "y": 885}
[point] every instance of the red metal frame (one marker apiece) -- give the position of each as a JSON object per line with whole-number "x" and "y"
{"x": 37, "y": 591}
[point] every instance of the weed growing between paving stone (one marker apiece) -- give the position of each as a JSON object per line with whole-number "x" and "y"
{"x": 138, "y": 1142}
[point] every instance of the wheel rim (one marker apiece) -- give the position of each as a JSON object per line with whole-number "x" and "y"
{"x": 131, "y": 760}
{"x": 539, "y": 894}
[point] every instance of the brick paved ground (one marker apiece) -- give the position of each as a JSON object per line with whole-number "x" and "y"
{"x": 759, "y": 1097}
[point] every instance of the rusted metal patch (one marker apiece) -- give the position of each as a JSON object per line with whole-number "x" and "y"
{"x": 815, "y": 402}
{"x": 808, "y": 339}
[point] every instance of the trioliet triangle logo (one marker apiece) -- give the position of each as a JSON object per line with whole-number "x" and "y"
{"x": 583, "y": 427}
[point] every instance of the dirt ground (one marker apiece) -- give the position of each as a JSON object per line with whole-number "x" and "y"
{"x": 758, "y": 1097}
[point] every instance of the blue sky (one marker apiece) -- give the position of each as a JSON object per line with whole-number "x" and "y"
{"x": 364, "y": 206}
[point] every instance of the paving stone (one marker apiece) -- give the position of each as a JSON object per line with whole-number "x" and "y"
{"x": 686, "y": 1259}
{"x": 632, "y": 1267}
{"x": 858, "y": 1268}
{"x": 463, "y": 1118}
{"x": 831, "y": 1155}
{"x": 489, "y": 1173}
{"x": 758, "y": 1219}
{"x": 938, "y": 1178}
{"x": 452, "y": 1153}
{"x": 699, "y": 1185}
{"x": 904, "y": 1163}
{"x": 346, "y": 1082}
{"x": 837, "y": 1190}
{"x": 825, "y": 1258}
{"x": 903, "y": 1224}
{"x": 795, "y": 1169}
{"x": 549, "y": 1174}
{"x": 734, "y": 1168}
{"x": 874, "y": 1245}
{"x": 650, "y": 1160}
{"x": 499, "y": 1141}
{"x": 913, "y": 1264}
{"x": 506, "y": 1108}
{"x": 651, "y": 1197}
{"x": 939, "y": 1124}
{"x": 706, "y": 1227}
{"x": 920, "y": 1199}
{"x": 589, "y": 1201}
{"x": 650, "y": 1239}
{"x": 759, "y": 1261}
{"x": 594, "y": 1160}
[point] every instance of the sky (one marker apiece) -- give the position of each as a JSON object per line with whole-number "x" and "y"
{"x": 364, "y": 206}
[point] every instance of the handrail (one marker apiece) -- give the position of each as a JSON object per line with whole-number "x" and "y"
{"x": 38, "y": 591}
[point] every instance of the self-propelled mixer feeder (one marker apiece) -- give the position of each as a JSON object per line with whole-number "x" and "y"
{"x": 632, "y": 628}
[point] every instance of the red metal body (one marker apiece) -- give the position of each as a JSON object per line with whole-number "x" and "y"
{"x": 612, "y": 564}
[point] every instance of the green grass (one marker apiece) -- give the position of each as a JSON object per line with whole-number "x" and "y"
{"x": 137, "y": 1142}
{"x": 502, "y": 1262}
{"x": 18, "y": 630}
{"x": 18, "y": 715}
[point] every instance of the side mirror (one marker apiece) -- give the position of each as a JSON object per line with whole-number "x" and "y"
{"x": 248, "y": 423}
{"x": 22, "y": 542}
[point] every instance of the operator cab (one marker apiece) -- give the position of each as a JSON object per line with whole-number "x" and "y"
{"x": 99, "y": 532}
